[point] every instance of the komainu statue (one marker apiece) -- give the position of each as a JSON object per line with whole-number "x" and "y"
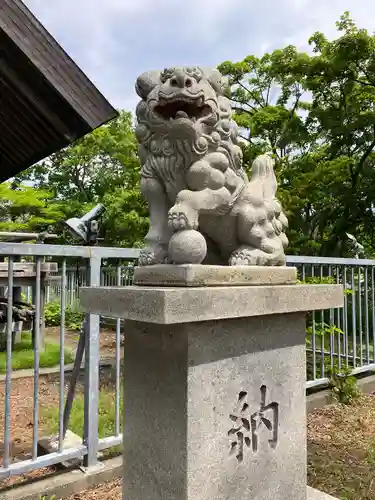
{"x": 203, "y": 208}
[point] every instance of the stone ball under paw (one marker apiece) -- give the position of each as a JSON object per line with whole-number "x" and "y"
{"x": 187, "y": 247}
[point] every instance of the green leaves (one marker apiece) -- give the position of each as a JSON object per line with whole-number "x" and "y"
{"x": 103, "y": 167}
{"x": 27, "y": 209}
{"x": 315, "y": 114}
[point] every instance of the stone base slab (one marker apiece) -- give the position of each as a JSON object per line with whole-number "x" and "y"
{"x": 198, "y": 275}
{"x": 313, "y": 494}
{"x": 168, "y": 305}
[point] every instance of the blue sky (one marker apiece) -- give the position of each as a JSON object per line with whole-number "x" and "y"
{"x": 113, "y": 41}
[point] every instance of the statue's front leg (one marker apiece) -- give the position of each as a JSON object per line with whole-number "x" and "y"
{"x": 189, "y": 204}
{"x": 209, "y": 193}
{"x": 159, "y": 234}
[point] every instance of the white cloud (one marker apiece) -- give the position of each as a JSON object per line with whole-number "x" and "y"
{"x": 113, "y": 41}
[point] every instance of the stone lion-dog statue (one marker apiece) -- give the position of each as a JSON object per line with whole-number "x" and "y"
{"x": 203, "y": 208}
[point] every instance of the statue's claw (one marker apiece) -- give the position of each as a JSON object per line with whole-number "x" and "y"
{"x": 153, "y": 255}
{"x": 182, "y": 217}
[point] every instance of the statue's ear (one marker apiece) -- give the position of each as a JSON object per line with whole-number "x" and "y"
{"x": 214, "y": 77}
{"x": 217, "y": 81}
{"x": 146, "y": 83}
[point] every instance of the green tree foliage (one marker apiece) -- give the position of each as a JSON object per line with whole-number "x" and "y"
{"x": 102, "y": 167}
{"x": 315, "y": 113}
{"x": 26, "y": 209}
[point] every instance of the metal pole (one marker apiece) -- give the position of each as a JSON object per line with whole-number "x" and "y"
{"x": 73, "y": 380}
{"x": 8, "y": 377}
{"x": 36, "y": 358}
{"x": 92, "y": 357}
{"x": 62, "y": 430}
{"x": 118, "y": 362}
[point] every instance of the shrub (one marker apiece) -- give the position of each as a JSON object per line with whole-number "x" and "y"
{"x": 73, "y": 315}
{"x": 343, "y": 385}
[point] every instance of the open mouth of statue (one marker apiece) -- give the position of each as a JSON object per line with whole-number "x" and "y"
{"x": 192, "y": 109}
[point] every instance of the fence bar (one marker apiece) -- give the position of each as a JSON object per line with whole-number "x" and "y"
{"x": 331, "y": 322}
{"x": 313, "y": 340}
{"x": 8, "y": 376}
{"x": 92, "y": 357}
{"x": 322, "y": 337}
{"x": 62, "y": 355}
{"x": 321, "y": 261}
{"x": 345, "y": 319}
{"x": 324, "y": 381}
{"x": 354, "y": 319}
{"x": 360, "y": 325}
{"x": 37, "y": 323}
{"x": 373, "y": 312}
{"x": 118, "y": 361}
{"x": 47, "y": 250}
{"x": 25, "y": 466}
{"x": 109, "y": 442}
{"x": 367, "y": 326}
{"x": 339, "y": 312}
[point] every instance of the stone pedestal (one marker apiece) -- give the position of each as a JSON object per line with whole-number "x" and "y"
{"x": 214, "y": 381}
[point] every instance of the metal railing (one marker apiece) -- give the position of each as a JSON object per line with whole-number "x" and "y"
{"x": 88, "y": 346}
{"x": 336, "y": 338}
{"x": 344, "y": 338}
{"x": 78, "y": 277}
{"x": 340, "y": 338}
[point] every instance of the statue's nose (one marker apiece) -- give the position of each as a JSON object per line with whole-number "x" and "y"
{"x": 181, "y": 80}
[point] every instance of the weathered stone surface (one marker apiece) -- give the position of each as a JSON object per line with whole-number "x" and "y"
{"x": 193, "y": 179}
{"x": 313, "y": 494}
{"x": 186, "y": 390}
{"x": 214, "y": 388}
{"x": 190, "y": 275}
{"x": 182, "y": 305}
{"x": 187, "y": 245}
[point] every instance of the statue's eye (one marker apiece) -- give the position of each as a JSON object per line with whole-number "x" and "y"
{"x": 188, "y": 82}
{"x": 174, "y": 82}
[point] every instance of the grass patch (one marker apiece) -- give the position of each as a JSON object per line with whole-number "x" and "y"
{"x": 107, "y": 416}
{"x": 23, "y": 355}
{"x": 341, "y": 449}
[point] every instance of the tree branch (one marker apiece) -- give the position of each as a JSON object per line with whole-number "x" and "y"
{"x": 244, "y": 104}
{"x": 363, "y": 83}
{"x": 250, "y": 93}
{"x": 362, "y": 161}
{"x": 268, "y": 92}
{"x": 372, "y": 84}
{"x": 291, "y": 113}
{"x": 241, "y": 110}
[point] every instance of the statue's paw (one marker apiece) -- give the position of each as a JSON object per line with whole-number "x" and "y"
{"x": 250, "y": 256}
{"x": 180, "y": 218}
{"x": 152, "y": 256}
